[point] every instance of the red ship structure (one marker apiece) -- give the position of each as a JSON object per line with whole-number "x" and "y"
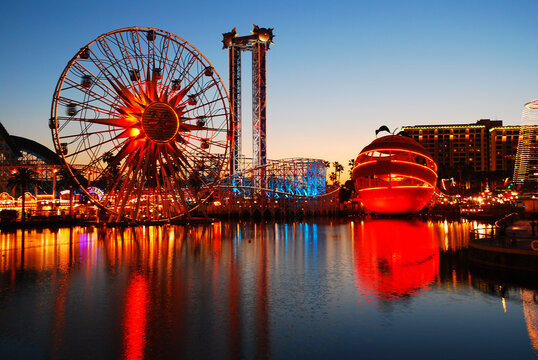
{"x": 394, "y": 174}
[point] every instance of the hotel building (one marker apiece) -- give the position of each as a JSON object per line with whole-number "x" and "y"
{"x": 486, "y": 147}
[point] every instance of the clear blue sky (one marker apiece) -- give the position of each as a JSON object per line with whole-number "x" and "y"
{"x": 338, "y": 69}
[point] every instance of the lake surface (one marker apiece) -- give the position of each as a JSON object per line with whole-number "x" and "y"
{"x": 368, "y": 289}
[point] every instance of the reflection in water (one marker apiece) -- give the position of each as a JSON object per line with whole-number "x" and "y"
{"x": 530, "y": 309}
{"x": 229, "y": 290}
{"x": 395, "y": 258}
{"x": 136, "y": 309}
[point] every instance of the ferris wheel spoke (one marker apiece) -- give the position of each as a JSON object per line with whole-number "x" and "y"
{"x": 180, "y": 160}
{"x": 84, "y": 106}
{"x": 173, "y": 174}
{"x": 117, "y": 122}
{"x": 178, "y": 206}
{"x": 130, "y": 60}
{"x": 130, "y": 180}
{"x": 160, "y": 45}
{"x": 214, "y": 173}
{"x": 210, "y": 119}
{"x": 205, "y": 89}
{"x": 185, "y": 101}
{"x": 89, "y": 147}
{"x": 200, "y": 126}
{"x": 166, "y": 180}
{"x": 124, "y": 51}
{"x": 182, "y": 94}
{"x": 157, "y": 192}
{"x": 195, "y": 176}
{"x": 208, "y": 140}
{"x": 95, "y": 81}
{"x": 195, "y": 79}
{"x": 151, "y": 66}
{"x": 123, "y": 122}
{"x": 127, "y": 152}
{"x": 137, "y": 45}
{"x": 188, "y": 65}
{"x": 78, "y": 135}
{"x": 130, "y": 99}
{"x": 100, "y": 99}
{"x": 174, "y": 64}
{"x": 203, "y": 105}
{"x": 124, "y": 171}
{"x": 92, "y": 166}
{"x": 165, "y": 50}
{"x": 125, "y": 71}
{"x": 142, "y": 183}
{"x": 113, "y": 63}
{"x": 126, "y": 148}
{"x": 185, "y": 127}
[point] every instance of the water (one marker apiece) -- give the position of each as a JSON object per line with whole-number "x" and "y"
{"x": 379, "y": 289}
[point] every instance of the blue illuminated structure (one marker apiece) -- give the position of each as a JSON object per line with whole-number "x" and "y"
{"x": 284, "y": 178}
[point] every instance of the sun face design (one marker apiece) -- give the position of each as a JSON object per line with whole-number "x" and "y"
{"x": 147, "y": 115}
{"x": 160, "y": 122}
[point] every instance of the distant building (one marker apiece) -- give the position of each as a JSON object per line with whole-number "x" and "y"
{"x": 503, "y": 142}
{"x": 464, "y": 151}
{"x": 526, "y": 167}
{"x": 18, "y": 152}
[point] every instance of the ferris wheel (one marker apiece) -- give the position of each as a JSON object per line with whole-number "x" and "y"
{"x": 143, "y": 115}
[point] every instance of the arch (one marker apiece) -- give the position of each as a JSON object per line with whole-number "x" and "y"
{"x": 36, "y": 149}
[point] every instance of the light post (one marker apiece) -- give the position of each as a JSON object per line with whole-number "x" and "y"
{"x": 54, "y": 171}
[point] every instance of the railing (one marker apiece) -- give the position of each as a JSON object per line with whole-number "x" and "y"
{"x": 270, "y": 203}
{"x": 502, "y": 238}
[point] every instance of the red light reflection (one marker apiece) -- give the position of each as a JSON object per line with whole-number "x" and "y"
{"x": 394, "y": 258}
{"x": 135, "y": 318}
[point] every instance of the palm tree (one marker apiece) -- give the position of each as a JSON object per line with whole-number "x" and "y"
{"x": 327, "y": 166}
{"x": 67, "y": 182}
{"x": 332, "y": 177}
{"x": 24, "y": 178}
{"x": 351, "y": 164}
{"x": 338, "y": 168}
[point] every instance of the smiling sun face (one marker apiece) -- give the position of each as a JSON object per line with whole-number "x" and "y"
{"x": 160, "y": 122}
{"x": 151, "y": 112}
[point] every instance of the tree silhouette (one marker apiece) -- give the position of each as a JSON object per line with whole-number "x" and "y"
{"x": 65, "y": 181}
{"x": 327, "y": 165}
{"x": 332, "y": 177}
{"x": 23, "y": 178}
{"x": 351, "y": 164}
{"x": 338, "y": 168}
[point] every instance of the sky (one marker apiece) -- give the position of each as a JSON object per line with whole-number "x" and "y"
{"x": 337, "y": 72}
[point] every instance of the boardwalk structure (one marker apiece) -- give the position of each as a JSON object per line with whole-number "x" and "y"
{"x": 293, "y": 188}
